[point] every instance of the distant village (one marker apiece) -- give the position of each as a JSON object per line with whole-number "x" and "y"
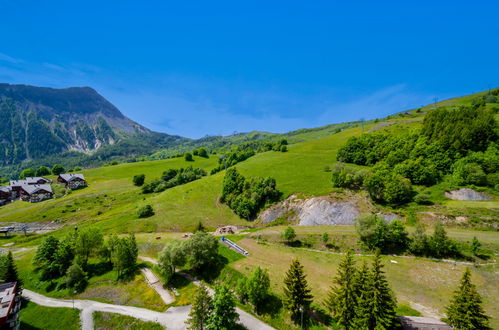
{"x": 37, "y": 189}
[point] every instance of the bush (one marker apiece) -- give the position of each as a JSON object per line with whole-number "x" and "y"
{"x": 139, "y": 179}
{"x": 188, "y": 157}
{"x": 29, "y": 172}
{"x": 202, "y": 153}
{"x": 43, "y": 170}
{"x": 76, "y": 278}
{"x": 146, "y": 211}
{"x": 58, "y": 169}
{"x": 387, "y": 187}
{"x": 423, "y": 199}
{"x": 288, "y": 234}
{"x": 375, "y": 233}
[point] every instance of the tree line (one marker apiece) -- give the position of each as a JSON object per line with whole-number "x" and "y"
{"x": 359, "y": 298}
{"x": 170, "y": 178}
{"x": 461, "y": 142}
{"x": 69, "y": 257}
{"x": 248, "y": 196}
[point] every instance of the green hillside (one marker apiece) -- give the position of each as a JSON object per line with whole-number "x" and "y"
{"x": 111, "y": 203}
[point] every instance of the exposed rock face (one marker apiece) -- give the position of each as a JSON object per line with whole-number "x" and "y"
{"x": 313, "y": 211}
{"x": 466, "y": 194}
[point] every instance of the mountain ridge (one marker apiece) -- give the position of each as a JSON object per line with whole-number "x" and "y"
{"x": 36, "y": 122}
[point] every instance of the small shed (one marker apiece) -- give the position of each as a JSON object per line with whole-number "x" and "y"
{"x": 72, "y": 180}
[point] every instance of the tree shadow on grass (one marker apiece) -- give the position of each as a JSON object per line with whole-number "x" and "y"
{"x": 210, "y": 272}
{"x": 99, "y": 268}
{"x": 178, "y": 281}
{"x": 271, "y": 306}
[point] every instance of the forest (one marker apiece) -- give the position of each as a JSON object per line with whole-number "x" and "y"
{"x": 460, "y": 143}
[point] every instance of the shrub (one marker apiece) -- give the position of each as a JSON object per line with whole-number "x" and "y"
{"x": 139, "y": 179}
{"x": 57, "y": 169}
{"x": 76, "y": 278}
{"x": 288, "y": 234}
{"x": 188, "y": 157}
{"x": 423, "y": 199}
{"x": 146, "y": 211}
{"x": 43, "y": 170}
{"x": 29, "y": 172}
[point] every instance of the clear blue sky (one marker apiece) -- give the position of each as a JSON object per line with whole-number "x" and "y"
{"x": 214, "y": 67}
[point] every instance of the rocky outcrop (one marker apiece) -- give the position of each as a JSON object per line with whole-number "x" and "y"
{"x": 313, "y": 211}
{"x": 466, "y": 194}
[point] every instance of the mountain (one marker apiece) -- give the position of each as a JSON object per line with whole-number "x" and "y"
{"x": 36, "y": 122}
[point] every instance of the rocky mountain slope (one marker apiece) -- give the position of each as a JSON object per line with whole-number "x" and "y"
{"x": 37, "y": 121}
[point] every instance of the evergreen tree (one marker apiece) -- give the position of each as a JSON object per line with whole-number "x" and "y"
{"x": 296, "y": 292}
{"x": 465, "y": 310}
{"x": 376, "y": 307}
{"x": 342, "y": 299}
{"x": 201, "y": 310}
{"x": 224, "y": 315}
{"x": 11, "y": 274}
{"x": 475, "y": 245}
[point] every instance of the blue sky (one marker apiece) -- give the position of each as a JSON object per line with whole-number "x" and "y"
{"x": 199, "y": 68}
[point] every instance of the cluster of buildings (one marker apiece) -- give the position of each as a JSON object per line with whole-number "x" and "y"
{"x": 37, "y": 189}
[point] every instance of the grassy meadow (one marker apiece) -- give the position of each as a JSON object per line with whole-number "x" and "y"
{"x": 111, "y": 202}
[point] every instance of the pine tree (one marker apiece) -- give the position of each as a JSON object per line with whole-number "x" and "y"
{"x": 376, "y": 307}
{"x": 296, "y": 292}
{"x": 224, "y": 315}
{"x": 342, "y": 299}
{"x": 361, "y": 283}
{"x": 465, "y": 310}
{"x": 11, "y": 274}
{"x": 201, "y": 309}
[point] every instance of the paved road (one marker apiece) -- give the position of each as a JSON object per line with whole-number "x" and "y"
{"x": 246, "y": 319}
{"x": 173, "y": 318}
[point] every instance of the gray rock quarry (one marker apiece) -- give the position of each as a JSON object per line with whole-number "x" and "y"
{"x": 466, "y": 194}
{"x": 313, "y": 211}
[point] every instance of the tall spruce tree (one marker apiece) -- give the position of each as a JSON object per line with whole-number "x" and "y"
{"x": 201, "y": 310}
{"x": 11, "y": 274}
{"x": 361, "y": 283}
{"x": 376, "y": 307}
{"x": 296, "y": 292}
{"x": 342, "y": 298}
{"x": 465, "y": 310}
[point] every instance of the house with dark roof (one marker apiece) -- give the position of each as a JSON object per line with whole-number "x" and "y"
{"x": 35, "y": 192}
{"x": 72, "y": 180}
{"x": 422, "y": 323}
{"x": 16, "y": 185}
{"x": 10, "y": 304}
{"x": 5, "y": 194}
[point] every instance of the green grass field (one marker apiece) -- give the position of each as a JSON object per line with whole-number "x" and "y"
{"x": 111, "y": 201}
{"x": 110, "y": 321}
{"x": 33, "y": 316}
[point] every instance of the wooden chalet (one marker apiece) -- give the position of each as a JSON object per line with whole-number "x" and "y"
{"x": 5, "y": 194}
{"x": 35, "y": 192}
{"x": 72, "y": 180}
